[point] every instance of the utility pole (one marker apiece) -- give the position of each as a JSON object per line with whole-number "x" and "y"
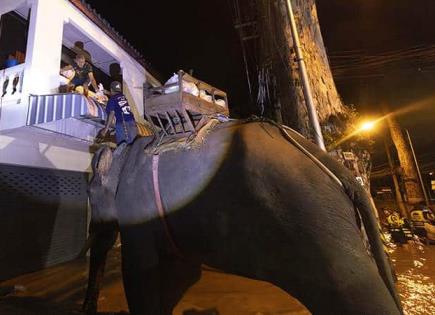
{"x": 426, "y": 199}
{"x": 311, "y": 108}
{"x": 413, "y": 190}
{"x": 280, "y": 86}
{"x": 397, "y": 191}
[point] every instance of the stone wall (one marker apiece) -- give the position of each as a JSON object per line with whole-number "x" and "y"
{"x": 325, "y": 95}
{"x": 275, "y": 75}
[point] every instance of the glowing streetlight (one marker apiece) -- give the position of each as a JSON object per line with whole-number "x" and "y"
{"x": 367, "y": 125}
{"x": 364, "y": 127}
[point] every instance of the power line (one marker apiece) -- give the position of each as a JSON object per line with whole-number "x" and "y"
{"x": 359, "y": 64}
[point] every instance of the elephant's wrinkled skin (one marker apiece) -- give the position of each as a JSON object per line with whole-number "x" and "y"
{"x": 247, "y": 202}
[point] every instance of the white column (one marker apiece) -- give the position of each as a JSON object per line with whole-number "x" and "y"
{"x": 134, "y": 79}
{"x": 44, "y": 46}
{"x": 43, "y": 53}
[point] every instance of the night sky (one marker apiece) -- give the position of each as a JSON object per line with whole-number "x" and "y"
{"x": 185, "y": 35}
{"x": 199, "y": 35}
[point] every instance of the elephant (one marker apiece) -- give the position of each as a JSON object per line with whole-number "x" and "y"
{"x": 255, "y": 199}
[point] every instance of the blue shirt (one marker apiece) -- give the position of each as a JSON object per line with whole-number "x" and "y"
{"x": 119, "y": 104}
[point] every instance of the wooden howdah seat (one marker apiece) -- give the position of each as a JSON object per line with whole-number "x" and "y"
{"x": 176, "y": 110}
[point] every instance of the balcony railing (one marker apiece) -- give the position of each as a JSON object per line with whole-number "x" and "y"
{"x": 69, "y": 114}
{"x": 11, "y": 83}
{"x": 47, "y": 108}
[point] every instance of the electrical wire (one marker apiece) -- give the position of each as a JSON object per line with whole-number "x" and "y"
{"x": 359, "y": 64}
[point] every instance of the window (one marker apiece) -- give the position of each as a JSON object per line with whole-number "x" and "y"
{"x": 13, "y": 38}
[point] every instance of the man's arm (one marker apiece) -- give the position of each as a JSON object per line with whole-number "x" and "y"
{"x": 103, "y": 132}
{"x": 109, "y": 121}
{"x": 93, "y": 81}
{"x": 66, "y": 68}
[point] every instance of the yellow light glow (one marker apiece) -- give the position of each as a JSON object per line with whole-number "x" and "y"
{"x": 368, "y": 125}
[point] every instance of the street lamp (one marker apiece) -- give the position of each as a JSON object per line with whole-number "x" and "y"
{"x": 367, "y": 125}
{"x": 423, "y": 188}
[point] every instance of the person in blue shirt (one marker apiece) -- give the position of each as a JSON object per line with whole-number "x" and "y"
{"x": 11, "y": 62}
{"x": 117, "y": 107}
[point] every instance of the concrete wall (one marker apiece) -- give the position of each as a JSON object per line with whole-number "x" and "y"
{"x": 35, "y": 147}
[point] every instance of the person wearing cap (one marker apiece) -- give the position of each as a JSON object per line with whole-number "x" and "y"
{"x": 118, "y": 107}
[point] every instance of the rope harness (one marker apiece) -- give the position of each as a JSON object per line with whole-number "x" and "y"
{"x": 312, "y": 157}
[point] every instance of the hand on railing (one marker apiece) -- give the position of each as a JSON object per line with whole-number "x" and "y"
{"x": 101, "y": 135}
{"x": 104, "y": 135}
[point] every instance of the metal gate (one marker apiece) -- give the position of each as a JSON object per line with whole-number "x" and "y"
{"x": 43, "y": 218}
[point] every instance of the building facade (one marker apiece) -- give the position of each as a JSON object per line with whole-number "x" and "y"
{"x": 46, "y": 136}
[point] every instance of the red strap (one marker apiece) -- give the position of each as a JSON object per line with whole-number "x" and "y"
{"x": 159, "y": 204}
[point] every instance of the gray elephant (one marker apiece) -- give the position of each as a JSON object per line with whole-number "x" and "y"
{"x": 250, "y": 201}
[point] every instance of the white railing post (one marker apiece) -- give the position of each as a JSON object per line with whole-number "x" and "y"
{"x": 2, "y": 81}
{"x": 9, "y": 79}
{"x": 13, "y": 77}
{"x": 12, "y": 100}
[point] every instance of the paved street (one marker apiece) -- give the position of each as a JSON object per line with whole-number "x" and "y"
{"x": 59, "y": 290}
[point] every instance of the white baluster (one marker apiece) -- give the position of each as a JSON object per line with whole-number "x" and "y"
{"x": 2, "y": 80}
{"x": 10, "y": 78}
{"x": 20, "y": 83}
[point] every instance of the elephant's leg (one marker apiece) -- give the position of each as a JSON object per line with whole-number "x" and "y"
{"x": 103, "y": 238}
{"x": 140, "y": 270}
{"x": 176, "y": 276}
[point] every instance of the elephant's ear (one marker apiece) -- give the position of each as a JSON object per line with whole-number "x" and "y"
{"x": 102, "y": 161}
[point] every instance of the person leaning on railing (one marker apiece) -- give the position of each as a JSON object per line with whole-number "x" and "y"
{"x": 83, "y": 75}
